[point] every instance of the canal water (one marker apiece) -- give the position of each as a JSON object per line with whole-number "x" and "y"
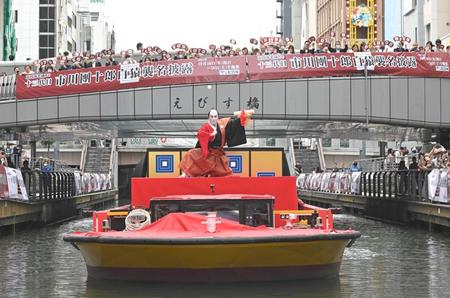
{"x": 387, "y": 261}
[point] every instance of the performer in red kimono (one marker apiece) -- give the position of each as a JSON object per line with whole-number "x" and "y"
{"x": 208, "y": 158}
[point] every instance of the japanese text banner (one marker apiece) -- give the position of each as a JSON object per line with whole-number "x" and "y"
{"x": 85, "y": 80}
{"x": 279, "y": 66}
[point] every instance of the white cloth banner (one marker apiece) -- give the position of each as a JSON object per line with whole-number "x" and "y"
{"x": 12, "y": 183}
{"x": 443, "y": 180}
{"x": 23, "y": 189}
{"x": 356, "y": 176}
{"x": 433, "y": 182}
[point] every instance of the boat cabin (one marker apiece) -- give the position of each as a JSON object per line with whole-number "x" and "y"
{"x": 250, "y": 210}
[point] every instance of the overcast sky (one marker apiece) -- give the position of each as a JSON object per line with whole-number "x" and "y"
{"x": 198, "y": 23}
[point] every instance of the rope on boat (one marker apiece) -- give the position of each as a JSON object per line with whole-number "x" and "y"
{"x": 137, "y": 219}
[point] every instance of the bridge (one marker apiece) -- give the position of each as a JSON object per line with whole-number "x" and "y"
{"x": 393, "y": 100}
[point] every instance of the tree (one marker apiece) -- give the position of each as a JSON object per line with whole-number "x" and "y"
{"x": 47, "y": 143}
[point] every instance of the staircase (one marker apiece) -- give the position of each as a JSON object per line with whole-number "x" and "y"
{"x": 97, "y": 160}
{"x": 307, "y": 158}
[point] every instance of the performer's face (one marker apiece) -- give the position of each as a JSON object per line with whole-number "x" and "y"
{"x": 213, "y": 117}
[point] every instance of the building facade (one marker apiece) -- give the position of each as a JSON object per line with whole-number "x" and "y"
{"x": 284, "y": 14}
{"x": 47, "y": 28}
{"x": 426, "y": 20}
{"x": 360, "y": 20}
{"x": 303, "y": 20}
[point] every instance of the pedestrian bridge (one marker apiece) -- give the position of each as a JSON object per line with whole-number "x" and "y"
{"x": 378, "y": 98}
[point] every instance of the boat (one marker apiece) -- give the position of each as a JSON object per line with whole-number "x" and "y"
{"x": 221, "y": 229}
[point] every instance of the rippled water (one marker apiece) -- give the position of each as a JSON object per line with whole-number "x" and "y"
{"x": 387, "y": 261}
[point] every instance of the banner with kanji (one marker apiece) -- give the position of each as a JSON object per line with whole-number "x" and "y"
{"x": 86, "y": 80}
{"x": 281, "y": 66}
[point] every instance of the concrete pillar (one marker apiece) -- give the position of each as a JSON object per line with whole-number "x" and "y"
{"x": 56, "y": 150}
{"x": 444, "y": 138}
{"x": 33, "y": 150}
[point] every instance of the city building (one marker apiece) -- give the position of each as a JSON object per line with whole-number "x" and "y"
{"x": 304, "y": 21}
{"x": 47, "y": 28}
{"x": 426, "y": 20}
{"x": 96, "y": 29}
{"x": 284, "y": 14}
{"x": 7, "y": 29}
{"x": 360, "y": 20}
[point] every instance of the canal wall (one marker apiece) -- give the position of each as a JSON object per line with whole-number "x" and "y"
{"x": 397, "y": 210}
{"x": 14, "y": 212}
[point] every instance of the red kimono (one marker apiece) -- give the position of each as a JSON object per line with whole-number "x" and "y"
{"x": 209, "y": 159}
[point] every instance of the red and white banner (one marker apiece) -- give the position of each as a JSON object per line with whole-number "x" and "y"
{"x": 4, "y": 193}
{"x": 187, "y": 71}
{"x": 280, "y": 66}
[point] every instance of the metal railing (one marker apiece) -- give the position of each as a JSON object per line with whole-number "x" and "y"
{"x": 411, "y": 185}
{"x": 400, "y": 184}
{"x": 43, "y": 186}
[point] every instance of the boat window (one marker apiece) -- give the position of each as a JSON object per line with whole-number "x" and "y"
{"x": 228, "y": 210}
{"x": 258, "y": 213}
{"x": 164, "y": 208}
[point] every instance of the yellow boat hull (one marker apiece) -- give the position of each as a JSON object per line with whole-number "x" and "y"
{"x": 213, "y": 262}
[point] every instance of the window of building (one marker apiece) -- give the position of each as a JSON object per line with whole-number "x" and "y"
{"x": 74, "y": 17}
{"x": 69, "y": 22}
{"x": 46, "y": 26}
{"x": 345, "y": 143}
{"x": 270, "y": 142}
{"x": 94, "y": 16}
{"x": 47, "y": 13}
{"x": 16, "y": 16}
{"x": 326, "y": 142}
{"x": 69, "y": 46}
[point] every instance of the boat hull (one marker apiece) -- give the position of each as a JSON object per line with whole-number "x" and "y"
{"x": 205, "y": 262}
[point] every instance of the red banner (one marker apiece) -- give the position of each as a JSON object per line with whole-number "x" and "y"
{"x": 280, "y": 66}
{"x": 85, "y": 80}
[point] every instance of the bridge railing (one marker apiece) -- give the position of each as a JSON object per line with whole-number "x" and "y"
{"x": 36, "y": 185}
{"x": 412, "y": 185}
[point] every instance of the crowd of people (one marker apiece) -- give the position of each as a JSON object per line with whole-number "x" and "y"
{"x": 181, "y": 51}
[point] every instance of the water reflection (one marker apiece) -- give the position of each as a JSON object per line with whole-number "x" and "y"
{"x": 392, "y": 261}
{"x": 325, "y": 288}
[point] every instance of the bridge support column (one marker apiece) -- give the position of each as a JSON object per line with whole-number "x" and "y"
{"x": 33, "y": 150}
{"x": 444, "y": 138}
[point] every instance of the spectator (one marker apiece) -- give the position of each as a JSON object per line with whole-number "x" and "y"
{"x": 25, "y": 166}
{"x": 400, "y": 47}
{"x": 3, "y": 160}
{"x": 27, "y": 70}
{"x": 128, "y": 60}
{"x": 298, "y": 169}
{"x": 139, "y": 46}
{"x": 403, "y": 173}
{"x": 8, "y": 149}
{"x": 290, "y": 49}
{"x": 414, "y": 165}
{"x": 307, "y": 49}
{"x": 355, "y": 167}
{"x": 439, "y": 45}
{"x": 11, "y": 58}
{"x": 16, "y": 71}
